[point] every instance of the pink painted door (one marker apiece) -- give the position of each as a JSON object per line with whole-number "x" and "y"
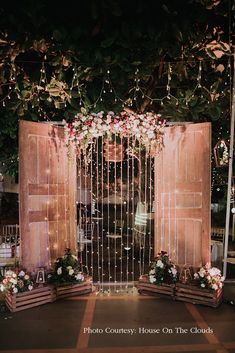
{"x": 182, "y": 194}
{"x": 47, "y": 195}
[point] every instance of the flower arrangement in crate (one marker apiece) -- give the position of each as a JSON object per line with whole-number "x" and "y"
{"x": 163, "y": 270}
{"x": 14, "y": 282}
{"x": 209, "y": 277}
{"x": 67, "y": 270}
{"x": 68, "y": 277}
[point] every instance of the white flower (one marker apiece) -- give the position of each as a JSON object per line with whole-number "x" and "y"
{"x": 152, "y": 279}
{"x": 203, "y": 285}
{"x": 75, "y": 257}
{"x": 160, "y": 264}
{"x": 26, "y": 277}
{"x": 22, "y": 273}
{"x": 30, "y": 287}
{"x": 79, "y": 277}
{"x": 69, "y": 267}
{"x": 13, "y": 281}
{"x": 71, "y": 272}
{"x": 202, "y": 273}
{"x": 2, "y": 288}
{"x": 214, "y": 271}
{"x": 9, "y": 273}
{"x": 15, "y": 290}
{"x": 173, "y": 271}
{"x": 196, "y": 275}
{"x": 152, "y": 272}
{"x": 59, "y": 271}
{"x": 214, "y": 286}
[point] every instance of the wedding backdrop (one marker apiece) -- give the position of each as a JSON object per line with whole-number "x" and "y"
{"x": 118, "y": 201}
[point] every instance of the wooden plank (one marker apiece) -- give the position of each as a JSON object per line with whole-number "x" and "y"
{"x": 195, "y": 295}
{"x": 144, "y": 286}
{"x": 45, "y": 189}
{"x": 29, "y": 299}
{"x": 71, "y": 290}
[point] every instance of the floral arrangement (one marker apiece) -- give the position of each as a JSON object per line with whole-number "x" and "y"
{"x": 209, "y": 277}
{"x": 16, "y": 282}
{"x": 146, "y": 128}
{"x": 67, "y": 270}
{"x": 163, "y": 270}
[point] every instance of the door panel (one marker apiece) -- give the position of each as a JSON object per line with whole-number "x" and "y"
{"x": 182, "y": 194}
{"x": 47, "y": 195}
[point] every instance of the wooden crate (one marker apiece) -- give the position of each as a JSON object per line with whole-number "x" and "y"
{"x": 70, "y": 290}
{"x": 147, "y": 288}
{"x": 192, "y": 294}
{"x": 30, "y": 299}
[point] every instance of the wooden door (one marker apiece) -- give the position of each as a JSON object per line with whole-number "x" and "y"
{"x": 47, "y": 195}
{"x": 182, "y": 194}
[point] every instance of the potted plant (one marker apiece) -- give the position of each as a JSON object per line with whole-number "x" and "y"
{"x": 22, "y": 293}
{"x": 161, "y": 278}
{"x": 68, "y": 277}
{"x": 205, "y": 289}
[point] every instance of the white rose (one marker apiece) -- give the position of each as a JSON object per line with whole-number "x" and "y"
{"x": 160, "y": 264}
{"x": 9, "y": 273}
{"x": 79, "y": 277}
{"x": 214, "y": 286}
{"x": 59, "y": 271}
{"x": 201, "y": 274}
{"x": 26, "y": 277}
{"x": 30, "y": 287}
{"x": 174, "y": 271}
{"x": 13, "y": 281}
{"x": 203, "y": 285}
{"x": 152, "y": 279}
{"x": 22, "y": 273}
{"x": 69, "y": 267}
{"x": 71, "y": 272}
{"x": 15, "y": 290}
{"x": 152, "y": 272}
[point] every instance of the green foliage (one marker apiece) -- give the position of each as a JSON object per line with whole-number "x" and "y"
{"x": 120, "y": 36}
{"x": 163, "y": 270}
{"x": 67, "y": 270}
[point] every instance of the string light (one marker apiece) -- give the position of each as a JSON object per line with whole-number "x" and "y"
{"x": 43, "y": 77}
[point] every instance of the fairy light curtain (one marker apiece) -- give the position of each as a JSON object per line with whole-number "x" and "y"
{"x": 115, "y": 165}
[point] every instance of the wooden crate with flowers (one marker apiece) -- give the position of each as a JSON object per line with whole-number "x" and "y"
{"x": 22, "y": 293}
{"x": 204, "y": 289}
{"x": 161, "y": 278}
{"x": 68, "y": 277}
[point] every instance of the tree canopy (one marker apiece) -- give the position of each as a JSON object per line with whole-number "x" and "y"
{"x": 170, "y": 57}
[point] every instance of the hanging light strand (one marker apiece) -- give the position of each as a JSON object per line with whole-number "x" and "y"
{"x": 133, "y": 212}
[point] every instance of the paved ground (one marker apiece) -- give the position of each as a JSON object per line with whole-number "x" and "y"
{"x": 120, "y": 324}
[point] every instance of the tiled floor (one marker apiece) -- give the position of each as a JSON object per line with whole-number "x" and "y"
{"x": 120, "y": 324}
